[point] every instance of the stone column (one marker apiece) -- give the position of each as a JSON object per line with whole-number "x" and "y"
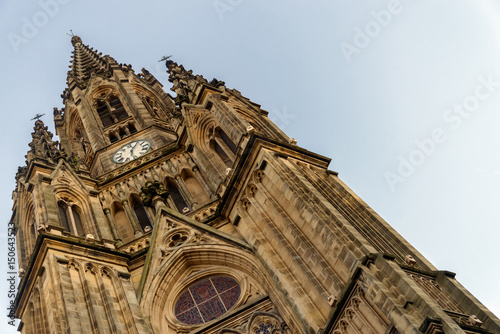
{"x": 112, "y": 225}
{"x": 132, "y": 218}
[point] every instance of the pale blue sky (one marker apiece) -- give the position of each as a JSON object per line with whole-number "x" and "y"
{"x": 345, "y": 79}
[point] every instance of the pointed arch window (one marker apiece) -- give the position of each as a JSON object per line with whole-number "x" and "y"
{"x": 77, "y": 220}
{"x": 141, "y": 214}
{"x": 224, "y": 147}
{"x": 110, "y": 110}
{"x": 132, "y": 128}
{"x": 70, "y": 218}
{"x": 227, "y": 141}
{"x": 104, "y": 113}
{"x": 63, "y": 216}
{"x": 207, "y": 299}
{"x": 122, "y": 222}
{"x": 33, "y": 233}
{"x": 177, "y": 197}
{"x": 194, "y": 187}
{"x": 152, "y": 105}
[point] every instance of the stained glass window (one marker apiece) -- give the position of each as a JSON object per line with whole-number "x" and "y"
{"x": 207, "y": 299}
{"x": 264, "y": 329}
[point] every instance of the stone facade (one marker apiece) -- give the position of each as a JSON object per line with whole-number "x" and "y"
{"x": 196, "y": 214}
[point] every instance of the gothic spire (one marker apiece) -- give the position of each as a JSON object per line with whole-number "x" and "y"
{"x": 85, "y": 61}
{"x": 42, "y": 147}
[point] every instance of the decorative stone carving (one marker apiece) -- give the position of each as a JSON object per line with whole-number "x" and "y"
{"x": 261, "y": 323}
{"x": 184, "y": 82}
{"x": 474, "y": 321}
{"x": 432, "y": 288}
{"x": 42, "y": 147}
{"x": 410, "y": 261}
{"x": 151, "y": 190}
{"x": 332, "y": 300}
{"x": 217, "y": 83}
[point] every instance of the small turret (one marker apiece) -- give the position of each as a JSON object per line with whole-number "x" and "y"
{"x": 42, "y": 147}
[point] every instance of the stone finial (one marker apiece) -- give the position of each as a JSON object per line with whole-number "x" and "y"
{"x": 22, "y": 272}
{"x": 410, "y": 261}
{"x": 184, "y": 81}
{"x": 217, "y": 83}
{"x": 42, "y": 147}
{"x": 75, "y": 40}
{"x": 57, "y": 112}
{"x": 250, "y": 130}
{"x": 292, "y": 141}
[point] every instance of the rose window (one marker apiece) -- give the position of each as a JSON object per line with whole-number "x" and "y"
{"x": 207, "y": 299}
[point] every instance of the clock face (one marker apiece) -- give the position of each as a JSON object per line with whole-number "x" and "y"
{"x": 131, "y": 151}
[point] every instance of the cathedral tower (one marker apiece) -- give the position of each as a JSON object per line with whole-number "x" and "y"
{"x": 197, "y": 214}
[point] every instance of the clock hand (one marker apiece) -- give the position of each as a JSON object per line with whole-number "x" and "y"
{"x": 133, "y": 148}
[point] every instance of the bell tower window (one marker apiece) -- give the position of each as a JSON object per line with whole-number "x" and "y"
{"x": 112, "y": 137}
{"x": 226, "y": 140}
{"x": 152, "y": 105}
{"x": 117, "y": 109}
{"x": 70, "y": 219}
{"x": 110, "y": 110}
{"x": 132, "y": 128}
{"x": 224, "y": 147}
{"x": 104, "y": 113}
{"x": 177, "y": 197}
{"x": 141, "y": 214}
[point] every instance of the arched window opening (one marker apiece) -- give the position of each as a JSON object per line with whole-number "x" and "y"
{"x": 63, "y": 217}
{"x": 122, "y": 223}
{"x": 177, "y": 197}
{"x": 122, "y": 133}
{"x": 207, "y": 299}
{"x": 70, "y": 219}
{"x": 141, "y": 214}
{"x": 33, "y": 233}
{"x": 113, "y": 138}
{"x": 78, "y": 222}
{"x": 194, "y": 187}
{"x": 151, "y": 105}
{"x": 229, "y": 143}
{"x": 222, "y": 154}
{"x": 31, "y": 226}
{"x": 117, "y": 109}
{"x": 223, "y": 146}
{"x": 132, "y": 128}
{"x": 148, "y": 102}
{"x": 104, "y": 113}
{"x": 110, "y": 110}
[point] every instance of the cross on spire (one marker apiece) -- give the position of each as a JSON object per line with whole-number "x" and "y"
{"x": 37, "y": 117}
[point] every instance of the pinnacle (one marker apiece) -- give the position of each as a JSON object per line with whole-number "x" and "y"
{"x": 85, "y": 61}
